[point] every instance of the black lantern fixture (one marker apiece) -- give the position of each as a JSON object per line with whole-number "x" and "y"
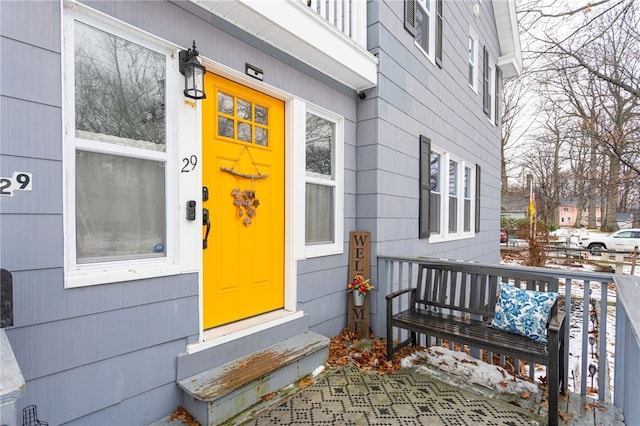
{"x": 193, "y": 72}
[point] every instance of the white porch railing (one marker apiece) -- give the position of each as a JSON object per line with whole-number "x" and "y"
{"x": 604, "y": 331}
{"x": 348, "y": 16}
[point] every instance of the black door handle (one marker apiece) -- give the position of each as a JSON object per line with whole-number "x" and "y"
{"x": 206, "y": 222}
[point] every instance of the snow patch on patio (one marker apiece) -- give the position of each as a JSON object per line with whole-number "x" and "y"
{"x": 468, "y": 372}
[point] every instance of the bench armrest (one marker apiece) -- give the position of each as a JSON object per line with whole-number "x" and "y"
{"x": 397, "y": 293}
{"x": 556, "y": 319}
{"x": 556, "y": 322}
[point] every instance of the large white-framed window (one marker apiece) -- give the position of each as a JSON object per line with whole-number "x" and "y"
{"x": 324, "y": 182}
{"x": 472, "y": 52}
{"x": 448, "y": 186}
{"x": 118, "y": 146}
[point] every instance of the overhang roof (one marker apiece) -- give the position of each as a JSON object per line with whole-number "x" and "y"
{"x": 510, "y": 60}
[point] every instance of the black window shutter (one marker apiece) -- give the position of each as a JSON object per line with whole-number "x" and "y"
{"x": 425, "y": 186}
{"x": 485, "y": 76}
{"x": 439, "y": 33}
{"x": 478, "y": 198}
{"x": 410, "y": 16}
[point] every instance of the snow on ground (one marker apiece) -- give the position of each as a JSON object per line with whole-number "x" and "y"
{"x": 469, "y": 369}
{"x": 576, "y": 326}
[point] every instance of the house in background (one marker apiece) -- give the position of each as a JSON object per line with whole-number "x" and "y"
{"x": 514, "y": 205}
{"x": 153, "y": 237}
{"x": 568, "y": 214}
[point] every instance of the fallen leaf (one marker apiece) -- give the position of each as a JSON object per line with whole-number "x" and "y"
{"x": 184, "y": 416}
{"x": 268, "y": 396}
{"x": 564, "y": 416}
{"x": 305, "y": 382}
{"x": 525, "y": 395}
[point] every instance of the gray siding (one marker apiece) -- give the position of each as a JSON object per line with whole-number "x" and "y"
{"x": 106, "y": 354}
{"x": 415, "y": 97}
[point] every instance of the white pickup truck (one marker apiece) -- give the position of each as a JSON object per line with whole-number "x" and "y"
{"x": 623, "y": 240}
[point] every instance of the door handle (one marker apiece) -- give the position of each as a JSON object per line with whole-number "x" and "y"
{"x": 206, "y": 222}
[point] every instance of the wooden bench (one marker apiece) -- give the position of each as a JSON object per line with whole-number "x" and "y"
{"x": 457, "y": 303}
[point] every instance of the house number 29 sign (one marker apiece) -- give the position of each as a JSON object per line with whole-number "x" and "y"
{"x": 19, "y": 181}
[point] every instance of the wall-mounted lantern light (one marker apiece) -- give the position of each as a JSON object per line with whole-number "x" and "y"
{"x": 193, "y": 72}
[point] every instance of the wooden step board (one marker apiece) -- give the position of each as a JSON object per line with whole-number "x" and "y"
{"x": 223, "y": 392}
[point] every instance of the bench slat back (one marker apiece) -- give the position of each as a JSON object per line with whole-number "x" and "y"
{"x": 471, "y": 291}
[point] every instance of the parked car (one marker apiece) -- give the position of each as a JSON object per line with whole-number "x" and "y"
{"x": 623, "y": 240}
{"x": 503, "y": 237}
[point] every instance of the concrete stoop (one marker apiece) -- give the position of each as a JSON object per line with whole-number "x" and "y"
{"x": 221, "y": 393}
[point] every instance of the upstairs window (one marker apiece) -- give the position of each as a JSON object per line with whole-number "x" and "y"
{"x": 423, "y": 19}
{"x": 490, "y": 87}
{"x": 472, "y": 74}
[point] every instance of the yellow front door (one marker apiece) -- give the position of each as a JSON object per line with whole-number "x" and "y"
{"x": 243, "y": 174}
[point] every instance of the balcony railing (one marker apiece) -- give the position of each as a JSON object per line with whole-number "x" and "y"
{"x": 602, "y": 317}
{"x": 348, "y": 16}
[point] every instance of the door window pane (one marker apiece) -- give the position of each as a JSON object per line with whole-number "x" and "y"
{"x": 120, "y": 207}
{"x": 244, "y": 109}
{"x": 261, "y": 114}
{"x": 244, "y": 132}
{"x": 225, "y": 103}
{"x": 261, "y": 136}
{"x": 119, "y": 90}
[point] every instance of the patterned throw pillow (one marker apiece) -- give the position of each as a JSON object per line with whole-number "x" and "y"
{"x": 524, "y": 312}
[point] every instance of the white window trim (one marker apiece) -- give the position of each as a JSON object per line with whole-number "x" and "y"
{"x": 473, "y": 35}
{"x": 492, "y": 92}
{"x": 337, "y": 246}
{"x": 444, "y": 234}
{"x": 431, "y": 54}
{"x": 79, "y": 275}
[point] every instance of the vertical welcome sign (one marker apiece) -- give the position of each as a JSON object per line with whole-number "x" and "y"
{"x": 359, "y": 263}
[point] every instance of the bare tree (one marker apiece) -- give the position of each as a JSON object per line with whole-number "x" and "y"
{"x": 584, "y": 66}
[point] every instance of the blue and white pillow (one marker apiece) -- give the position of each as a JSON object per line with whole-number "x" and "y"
{"x": 524, "y": 312}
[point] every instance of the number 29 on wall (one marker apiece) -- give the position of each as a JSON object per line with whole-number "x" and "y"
{"x": 19, "y": 181}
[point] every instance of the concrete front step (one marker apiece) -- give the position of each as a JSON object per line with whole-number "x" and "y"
{"x": 220, "y": 393}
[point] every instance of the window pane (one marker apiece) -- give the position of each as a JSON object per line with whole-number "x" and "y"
{"x": 320, "y": 142}
{"x": 261, "y": 136}
{"x": 435, "y": 172}
{"x": 434, "y": 213}
{"x": 225, "y": 127}
{"x": 453, "y": 214}
{"x": 319, "y": 226}
{"x": 244, "y": 109}
{"x": 261, "y": 115}
{"x": 467, "y": 215}
{"x": 422, "y": 29}
{"x": 120, "y": 207}
{"x": 472, "y": 60}
{"x": 225, "y": 103}
{"x": 467, "y": 182}
{"x": 119, "y": 90}
{"x": 244, "y": 132}
{"x": 453, "y": 177}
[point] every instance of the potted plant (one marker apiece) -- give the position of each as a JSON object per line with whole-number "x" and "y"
{"x": 359, "y": 287}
